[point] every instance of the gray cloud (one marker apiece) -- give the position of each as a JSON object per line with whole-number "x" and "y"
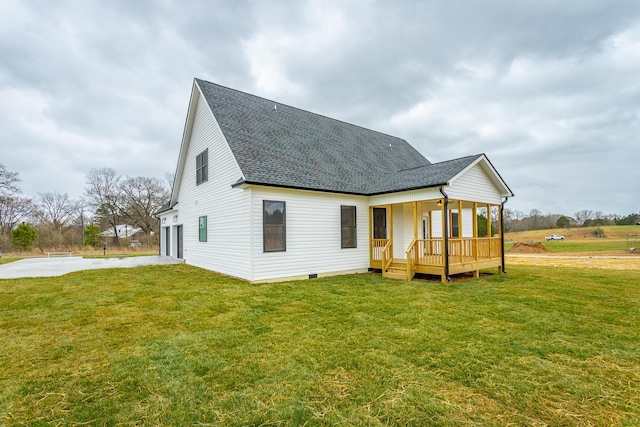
{"x": 548, "y": 90}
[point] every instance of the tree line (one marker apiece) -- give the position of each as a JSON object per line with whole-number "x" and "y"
{"x": 515, "y": 220}
{"x": 111, "y": 199}
{"x": 53, "y": 220}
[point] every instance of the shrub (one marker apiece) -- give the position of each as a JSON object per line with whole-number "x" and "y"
{"x": 24, "y": 236}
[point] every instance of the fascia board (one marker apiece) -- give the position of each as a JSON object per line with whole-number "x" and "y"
{"x": 196, "y": 95}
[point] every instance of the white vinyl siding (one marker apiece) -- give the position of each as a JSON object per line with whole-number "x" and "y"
{"x": 467, "y": 223}
{"x": 398, "y": 231}
{"x": 474, "y": 185}
{"x": 228, "y": 240}
{"x": 313, "y": 235}
{"x": 403, "y": 234}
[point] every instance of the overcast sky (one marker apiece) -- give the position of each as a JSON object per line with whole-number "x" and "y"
{"x": 549, "y": 90}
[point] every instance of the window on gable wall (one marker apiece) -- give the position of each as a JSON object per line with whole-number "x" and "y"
{"x": 348, "y": 227}
{"x": 202, "y": 167}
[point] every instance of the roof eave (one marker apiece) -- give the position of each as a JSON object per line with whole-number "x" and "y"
{"x": 244, "y": 184}
{"x": 418, "y": 187}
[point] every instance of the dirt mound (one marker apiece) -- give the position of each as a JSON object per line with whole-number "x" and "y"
{"x": 528, "y": 248}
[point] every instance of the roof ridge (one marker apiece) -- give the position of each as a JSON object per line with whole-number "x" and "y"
{"x": 302, "y": 109}
{"x": 459, "y": 158}
{"x": 475, "y": 156}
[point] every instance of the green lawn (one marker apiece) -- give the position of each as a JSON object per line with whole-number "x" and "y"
{"x": 176, "y": 345}
{"x": 8, "y": 260}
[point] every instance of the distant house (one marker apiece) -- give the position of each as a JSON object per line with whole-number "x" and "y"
{"x": 125, "y": 231}
{"x": 264, "y": 191}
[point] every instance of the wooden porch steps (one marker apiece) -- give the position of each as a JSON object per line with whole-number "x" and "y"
{"x": 396, "y": 273}
{"x": 397, "y": 270}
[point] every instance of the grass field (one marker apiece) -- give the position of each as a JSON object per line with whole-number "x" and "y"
{"x": 581, "y": 245}
{"x": 176, "y": 345}
{"x": 585, "y": 245}
{"x": 580, "y": 239}
{"x": 614, "y": 232}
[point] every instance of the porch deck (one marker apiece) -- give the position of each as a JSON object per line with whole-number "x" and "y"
{"x": 426, "y": 256}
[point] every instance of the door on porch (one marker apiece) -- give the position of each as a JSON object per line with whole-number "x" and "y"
{"x": 379, "y": 223}
{"x": 426, "y": 226}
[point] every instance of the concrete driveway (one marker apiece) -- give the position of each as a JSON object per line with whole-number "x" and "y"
{"x": 47, "y": 267}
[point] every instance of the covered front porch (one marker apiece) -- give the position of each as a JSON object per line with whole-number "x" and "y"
{"x": 437, "y": 237}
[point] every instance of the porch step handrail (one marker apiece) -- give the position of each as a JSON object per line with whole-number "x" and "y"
{"x": 387, "y": 259}
{"x": 411, "y": 260}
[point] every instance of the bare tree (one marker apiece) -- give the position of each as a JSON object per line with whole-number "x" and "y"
{"x": 8, "y": 181}
{"x": 170, "y": 178}
{"x": 80, "y": 217}
{"x": 104, "y": 196}
{"x": 583, "y": 216}
{"x": 56, "y": 208}
{"x": 534, "y": 216}
{"x": 80, "y": 220}
{"x": 142, "y": 197}
{"x": 13, "y": 210}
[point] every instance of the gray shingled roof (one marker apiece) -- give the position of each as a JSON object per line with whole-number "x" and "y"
{"x": 432, "y": 175}
{"x": 278, "y": 145}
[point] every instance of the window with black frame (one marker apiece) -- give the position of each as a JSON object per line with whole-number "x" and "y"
{"x": 202, "y": 167}
{"x": 348, "y": 235}
{"x": 274, "y": 223}
{"x": 455, "y": 232}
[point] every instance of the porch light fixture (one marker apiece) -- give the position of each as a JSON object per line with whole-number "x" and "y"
{"x": 440, "y": 202}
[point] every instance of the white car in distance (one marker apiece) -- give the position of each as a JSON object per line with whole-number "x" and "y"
{"x": 554, "y": 237}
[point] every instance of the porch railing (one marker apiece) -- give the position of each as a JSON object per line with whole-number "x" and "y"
{"x": 429, "y": 251}
{"x": 377, "y": 246}
{"x": 472, "y": 249}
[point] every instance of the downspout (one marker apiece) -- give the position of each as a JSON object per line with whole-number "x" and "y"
{"x": 446, "y": 234}
{"x": 506, "y": 199}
